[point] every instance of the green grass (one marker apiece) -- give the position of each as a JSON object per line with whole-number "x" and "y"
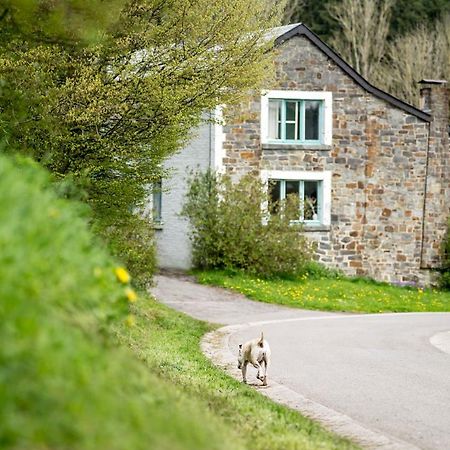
{"x": 75, "y": 373}
{"x": 331, "y": 294}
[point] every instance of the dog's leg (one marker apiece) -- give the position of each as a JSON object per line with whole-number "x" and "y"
{"x": 266, "y": 365}
{"x": 257, "y": 366}
{"x": 244, "y": 372}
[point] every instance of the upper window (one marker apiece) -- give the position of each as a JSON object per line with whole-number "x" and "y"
{"x": 296, "y": 117}
{"x": 295, "y": 120}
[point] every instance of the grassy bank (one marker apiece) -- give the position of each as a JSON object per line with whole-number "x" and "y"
{"x": 84, "y": 365}
{"x": 64, "y": 382}
{"x": 331, "y": 294}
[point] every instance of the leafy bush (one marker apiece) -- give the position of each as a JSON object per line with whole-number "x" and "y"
{"x": 64, "y": 381}
{"x": 232, "y": 230}
{"x": 131, "y": 239}
{"x": 317, "y": 271}
{"x": 128, "y": 235}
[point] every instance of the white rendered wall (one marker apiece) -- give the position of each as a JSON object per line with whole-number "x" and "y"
{"x": 172, "y": 237}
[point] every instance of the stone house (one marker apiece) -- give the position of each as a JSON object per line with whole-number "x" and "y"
{"x": 372, "y": 171}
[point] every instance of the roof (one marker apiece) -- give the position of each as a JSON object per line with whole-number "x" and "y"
{"x": 275, "y": 33}
{"x": 283, "y": 34}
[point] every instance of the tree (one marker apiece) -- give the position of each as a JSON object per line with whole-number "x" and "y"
{"x": 424, "y": 53}
{"x": 106, "y": 111}
{"x": 314, "y": 14}
{"x": 406, "y": 16}
{"x": 364, "y": 28}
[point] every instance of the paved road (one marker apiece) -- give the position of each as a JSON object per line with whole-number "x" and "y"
{"x": 389, "y": 373}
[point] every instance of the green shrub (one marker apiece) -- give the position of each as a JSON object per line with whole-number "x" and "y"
{"x": 128, "y": 235}
{"x": 318, "y": 271}
{"x": 231, "y": 229}
{"x": 130, "y": 239}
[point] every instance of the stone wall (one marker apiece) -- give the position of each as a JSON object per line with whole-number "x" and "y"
{"x": 435, "y": 97}
{"x": 378, "y": 160}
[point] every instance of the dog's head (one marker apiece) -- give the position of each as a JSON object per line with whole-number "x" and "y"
{"x": 240, "y": 357}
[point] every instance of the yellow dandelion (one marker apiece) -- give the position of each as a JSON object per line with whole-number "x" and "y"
{"x": 53, "y": 213}
{"x": 130, "y": 294}
{"x": 130, "y": 320}
{"x": 122, "y": 275}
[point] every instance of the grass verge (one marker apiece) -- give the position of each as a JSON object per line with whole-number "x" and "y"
{"x": 331, "y": 294}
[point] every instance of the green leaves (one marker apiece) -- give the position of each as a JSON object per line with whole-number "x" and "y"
{"x": 70, "y": 22}
{"x": 106, "y": 109}
{"x": 231, "y": 229}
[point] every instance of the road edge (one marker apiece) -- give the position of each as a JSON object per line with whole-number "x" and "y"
{"x": 215, "y": 346}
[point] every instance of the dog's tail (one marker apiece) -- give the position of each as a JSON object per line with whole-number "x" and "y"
{"x": 261, "y": 340}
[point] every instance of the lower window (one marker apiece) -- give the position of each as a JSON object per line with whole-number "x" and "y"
{"x": 309, "y": 190}
{"x": 308, "y": 193}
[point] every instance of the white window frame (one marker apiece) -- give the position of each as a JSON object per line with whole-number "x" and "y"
{"x": 219, "y": 138}
{"x": 326, "y": 97}
{"x": 299, "y": 175}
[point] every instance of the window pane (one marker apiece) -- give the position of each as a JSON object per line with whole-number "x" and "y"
{"x": 157, "y": 201}
{"x": 274, "y": 195}
{"x": 292, "y": 199}
{"x": 312, "y": 113}
{"x": 274, "y": 119}
{"x": 311, "y": 196}
{"x": 291, "y": 108}
{"x": 292, "y": 187}
{"x": 290, "y": 131}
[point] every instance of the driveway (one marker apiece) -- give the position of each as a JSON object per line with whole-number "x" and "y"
{"x": 380, "y": 379}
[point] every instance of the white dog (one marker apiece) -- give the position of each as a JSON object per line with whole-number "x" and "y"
{"x": 257, "y": 353}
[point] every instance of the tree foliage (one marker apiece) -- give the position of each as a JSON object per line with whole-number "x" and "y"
{"x": 444, "y": 280}
{"x": 421, "y": 54}
{"x": 232, "y": 230}
{"x": 406, "y": 15}
{"x": 105, "y": 108}
{"x": 364, "y": 28}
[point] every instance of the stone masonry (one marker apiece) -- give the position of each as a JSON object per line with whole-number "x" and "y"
{"x": 435, "y": 99}
{"x": 390, "y": 168}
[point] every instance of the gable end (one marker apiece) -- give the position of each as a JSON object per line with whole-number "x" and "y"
{"x": 303, "y": 30}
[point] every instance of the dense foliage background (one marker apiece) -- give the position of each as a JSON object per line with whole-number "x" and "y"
{"x": 407, "y": 15}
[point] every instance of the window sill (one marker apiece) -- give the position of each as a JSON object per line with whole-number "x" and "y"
{"x": 158, "y": 225}
{"x": 285, "y": 146}
{"x": 311, "y": 228}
